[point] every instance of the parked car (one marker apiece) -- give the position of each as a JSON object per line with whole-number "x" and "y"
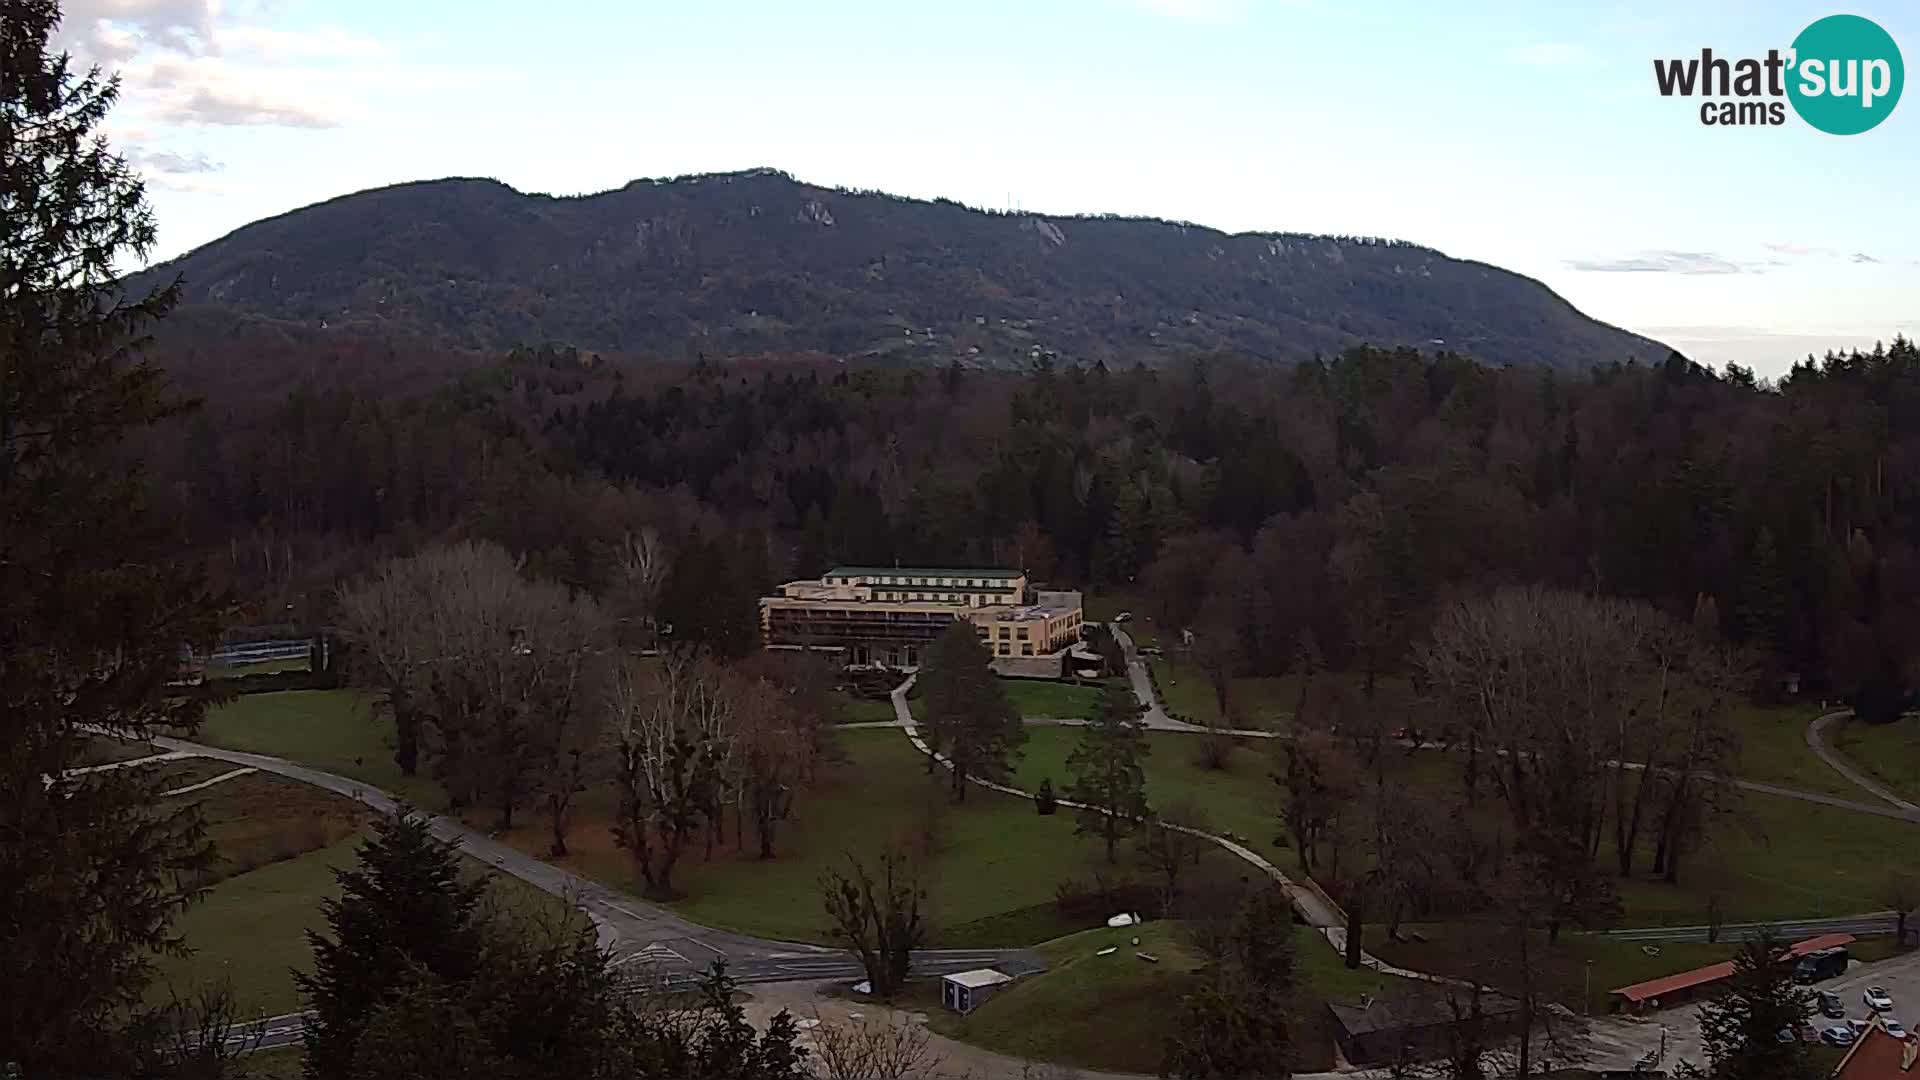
{"x": 1893, "y": 1027}
{"x": 1125, "y": 616}
{"x": 1808, "y": 1033}
{"x": 1877, "y": 998}
{"x": 1831, "y": 1006}
{"x": 1837, "y": 1035}
{"x": 1858, "y": 1025}
{"x": 1784, "y": 1035}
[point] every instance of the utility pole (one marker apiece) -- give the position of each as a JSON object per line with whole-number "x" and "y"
{"x": 1586, "y": 999}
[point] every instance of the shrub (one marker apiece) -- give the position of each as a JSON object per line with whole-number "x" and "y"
{"x": 1044, "y": 801}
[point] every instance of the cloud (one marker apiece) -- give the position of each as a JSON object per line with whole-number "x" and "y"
{"x": 1863, "y": 257}
{"x": 1547, "y": 54}
{"x": 216, "y": 106}
{"x": 1662, "y": 262}
{"x": 270, "y": 44}
{"x": 1798, "y": 249}
{"x": 202, "y": 63}
{"x": 114, "y": 31}
{"x": 168, "y": 162}
{"x": 1213, "y": 11}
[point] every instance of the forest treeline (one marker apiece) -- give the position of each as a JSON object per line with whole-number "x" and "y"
{"x": 1319, "y": 512}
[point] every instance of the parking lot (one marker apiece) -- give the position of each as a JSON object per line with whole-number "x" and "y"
{"x": 1618, "y": 1043}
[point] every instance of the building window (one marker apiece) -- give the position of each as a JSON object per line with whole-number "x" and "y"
{"x": 1026, "y": 649}
{"x": 1022, "y": 632}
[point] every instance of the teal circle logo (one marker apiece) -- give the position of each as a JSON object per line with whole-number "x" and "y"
{"x": 1846, "y": 74}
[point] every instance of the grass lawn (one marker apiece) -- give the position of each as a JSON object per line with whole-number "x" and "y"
{"x": 1782, "y": 858}
{"x": 339, "y": 731}
{"x": 1102, "y": 607}
{"x": 1774, "y": 749}
{"x": 1779, "y": 858}
{"x": 252, "y": 928}
{"x": 1890, "y": 753}
{"x": 1053, "y": 700}
{"x": 998, "y": 866}
{"x": 1269, "y": 702}
{"x": 1241, "y": 798}
{"x": 1462, "y": 949}
{"x": 856, "y": 710}
{"x": 1115, "y": 1012}
{"x": 1109, "y": 1012}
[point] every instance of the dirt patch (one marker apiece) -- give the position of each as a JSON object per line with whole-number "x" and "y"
{"x": 260, "y": 818}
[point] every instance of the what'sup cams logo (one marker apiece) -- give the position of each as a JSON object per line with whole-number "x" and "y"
{"x": 1842, "y": 75}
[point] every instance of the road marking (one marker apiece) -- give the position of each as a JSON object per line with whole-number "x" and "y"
{"x": 656, "y": 952}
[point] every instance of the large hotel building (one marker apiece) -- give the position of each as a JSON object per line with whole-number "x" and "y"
{"x": 889, "y": 615}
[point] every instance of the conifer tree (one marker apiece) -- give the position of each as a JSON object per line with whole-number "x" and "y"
{"x": 405, "y": 913}
{"x": 1106, "y": 767}
{"x": 968, "y": 716}
{"x": 92, "y": 621}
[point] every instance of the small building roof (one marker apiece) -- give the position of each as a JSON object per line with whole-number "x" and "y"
{"x": 979, "y": 977}
{"x": 1687, "y": 980}
{"x": 1413, "y": 1010}
{"x": 1876, "y": 1055}
{"x": 927, "y": 571}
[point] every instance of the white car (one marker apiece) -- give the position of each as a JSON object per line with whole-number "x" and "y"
{"x": 1877, "y": 998}
{"x": 1893, "y": 1027}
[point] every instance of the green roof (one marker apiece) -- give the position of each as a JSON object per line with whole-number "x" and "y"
{"x": 921, "y": 571}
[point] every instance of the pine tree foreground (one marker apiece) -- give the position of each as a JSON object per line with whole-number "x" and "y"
{"x": 91, "y": 621}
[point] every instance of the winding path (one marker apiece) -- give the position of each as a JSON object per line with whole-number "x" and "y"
{"x": 1817, "y": 742}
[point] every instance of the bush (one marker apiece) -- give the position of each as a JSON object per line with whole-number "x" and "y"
{"x": 1043, "y": 799}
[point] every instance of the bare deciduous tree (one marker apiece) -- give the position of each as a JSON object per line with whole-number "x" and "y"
{"x": 663, "y": 773}
{"x": 886, "y": 1047}
{"x": 877, "y": 912}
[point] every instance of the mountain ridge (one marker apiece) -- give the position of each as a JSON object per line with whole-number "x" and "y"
{"x": 754, "y": 261}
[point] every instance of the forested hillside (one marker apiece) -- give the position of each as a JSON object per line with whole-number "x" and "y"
{"x": 1322, "y": 510}
{"x": 746, "y": 262}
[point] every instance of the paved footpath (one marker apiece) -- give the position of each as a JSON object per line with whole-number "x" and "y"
{"x": 1817, "y": 742}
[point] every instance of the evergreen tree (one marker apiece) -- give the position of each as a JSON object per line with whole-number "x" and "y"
{"x": 1106, "y": 770}
{"x": 1237, "y": 1022}
{"x": 1763, "y": 599}
{"x": 1740, "y": 1028}
{"x": 92, "y": 620}
{"x": 405, "y": 913}
{"x": 968, "y": 716}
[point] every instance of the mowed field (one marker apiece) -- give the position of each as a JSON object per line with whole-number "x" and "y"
{"x": 1890, "y": 753}
{"x": 992, "y": 863}
{"x": 340, "y": 731}
{"x": 1115, "y": 1012}
{"x": 277, "y": 843}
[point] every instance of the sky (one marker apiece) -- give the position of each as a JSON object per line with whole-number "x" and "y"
{"x": 1527, "y": 135}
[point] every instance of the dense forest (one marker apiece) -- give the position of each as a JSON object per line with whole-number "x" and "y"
{"x": 1322, "y": 509}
